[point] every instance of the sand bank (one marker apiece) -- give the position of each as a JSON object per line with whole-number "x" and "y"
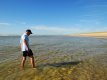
{"x": 93, "y": 34}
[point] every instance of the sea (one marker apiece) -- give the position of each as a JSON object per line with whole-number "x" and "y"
{"x": 43, "y": 44}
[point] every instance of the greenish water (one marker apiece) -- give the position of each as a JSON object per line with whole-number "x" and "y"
{"x": 56, "y": 58}
{"x": 60, "y": 46}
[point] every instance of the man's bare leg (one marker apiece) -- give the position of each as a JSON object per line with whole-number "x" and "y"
{"x": 23, "y": 62}
{"x": 32, "y": 61}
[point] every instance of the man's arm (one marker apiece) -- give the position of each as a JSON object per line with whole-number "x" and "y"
{"x": 26, "y": 43}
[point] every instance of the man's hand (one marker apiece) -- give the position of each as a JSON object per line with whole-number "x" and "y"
{"x": 28, "y": 49}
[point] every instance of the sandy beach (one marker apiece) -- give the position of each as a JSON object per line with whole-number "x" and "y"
{"x": 93, "y": 34}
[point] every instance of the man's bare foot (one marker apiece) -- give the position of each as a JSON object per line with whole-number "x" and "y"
{"x": 34, "y": 67}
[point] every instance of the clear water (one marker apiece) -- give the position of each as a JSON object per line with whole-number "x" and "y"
{"x": 43, "y": 44}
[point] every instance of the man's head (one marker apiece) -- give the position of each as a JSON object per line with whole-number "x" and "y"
{"x": 28, "y": 32}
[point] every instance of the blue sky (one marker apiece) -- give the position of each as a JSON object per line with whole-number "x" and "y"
{"x": 52, "y": 17}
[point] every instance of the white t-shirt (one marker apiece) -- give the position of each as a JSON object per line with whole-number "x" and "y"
{"x": 23, "y": 46}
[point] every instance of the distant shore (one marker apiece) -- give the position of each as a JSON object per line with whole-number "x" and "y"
{"x": 93, "y": 34}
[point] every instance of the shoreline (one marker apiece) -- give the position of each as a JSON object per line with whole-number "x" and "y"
{"x": 101, "y": 35}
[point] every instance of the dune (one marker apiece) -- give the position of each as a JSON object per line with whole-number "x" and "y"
{"x": 93, "y": 34}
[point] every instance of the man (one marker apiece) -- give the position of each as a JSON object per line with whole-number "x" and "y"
{"x": 26, "y": 48}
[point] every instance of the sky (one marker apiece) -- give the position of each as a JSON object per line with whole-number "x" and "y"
{"x": 52, "y": 17}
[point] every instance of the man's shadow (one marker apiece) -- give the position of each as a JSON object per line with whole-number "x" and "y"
{"x": 61, "y": 64}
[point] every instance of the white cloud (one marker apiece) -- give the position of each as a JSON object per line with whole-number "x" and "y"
{"x": 57, "y": 30}
{"x": 49, "y": 30}
{"x": 5, "y": 24}
{"x": 20, "y": 22}
{"x": 23, "y": 23}
{"x": 94, "y": 22}
{"x": 45, "y": 28}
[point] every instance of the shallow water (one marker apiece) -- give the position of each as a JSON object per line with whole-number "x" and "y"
{"x": 9, "y": 46}
{"x": 56, "y": 58}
